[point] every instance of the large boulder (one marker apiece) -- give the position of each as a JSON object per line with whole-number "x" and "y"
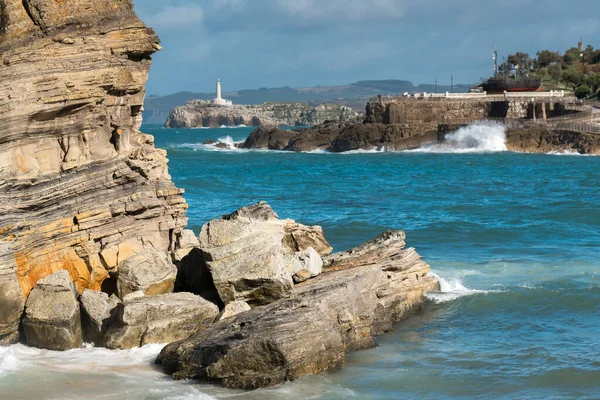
{"x": 96, "y": 309}
{"x": 246, "y": 257}
{"x": 166, "y": 318}
{"x": 52, "y": 317}
{"x": 149, "y": 271}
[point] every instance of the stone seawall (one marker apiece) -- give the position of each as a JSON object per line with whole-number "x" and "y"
{"x": 451, "y": 110}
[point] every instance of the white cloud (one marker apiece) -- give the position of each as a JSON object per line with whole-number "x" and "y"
{"x": 341, "y": 10}
{"x": 176, "y": 17}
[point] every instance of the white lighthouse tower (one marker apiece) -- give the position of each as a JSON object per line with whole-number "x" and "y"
{"x": 219, "y": 101}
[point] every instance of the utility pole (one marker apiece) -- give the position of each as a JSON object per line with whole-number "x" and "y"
{"x": 451, "y": 83}
{"x": 436, "y": 84}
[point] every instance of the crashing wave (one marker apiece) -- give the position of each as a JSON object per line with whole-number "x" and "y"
{"x": 481, "y": 137}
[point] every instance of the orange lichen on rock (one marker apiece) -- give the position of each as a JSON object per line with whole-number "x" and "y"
{"x": 41, "y": 262}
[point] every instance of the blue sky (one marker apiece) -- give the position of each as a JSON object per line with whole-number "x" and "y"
{"x": 272, "y": 43}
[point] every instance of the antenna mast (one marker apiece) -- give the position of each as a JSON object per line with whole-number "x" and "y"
{"x": 495, "y": 61}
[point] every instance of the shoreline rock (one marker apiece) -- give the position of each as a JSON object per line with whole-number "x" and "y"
{"x": 362, "y": 293}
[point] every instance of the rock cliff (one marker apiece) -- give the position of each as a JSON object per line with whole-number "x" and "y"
{"x": 202, "y": 113}
{"x": 81, "y": 188}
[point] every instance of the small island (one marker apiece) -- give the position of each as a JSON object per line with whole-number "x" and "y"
{"x": 220, "y": 112}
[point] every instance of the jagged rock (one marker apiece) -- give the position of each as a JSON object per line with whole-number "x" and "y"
{"x": 96, "y": 308}
{"x": 150, "y": 272}
{"x": 300, "y": 237}
{"x": 260, "y": 211}
{"x": 302, "y": 276}
{"x": 232, "y": 309}
{"x": 158, "y": 319}
{"x": 307, "y": 334}
{"x": 247, "y": 259}
{"x": 186, "y": 242}
{"x": 81, "y": 188}
{"x": 202, "y": 113}
{"x": 52, "y": 317}
{"x": 309, "y": 260}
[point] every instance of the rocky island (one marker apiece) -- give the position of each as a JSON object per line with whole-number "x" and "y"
{"x": 206, "y": 114}
{"x": 93, "y": 245}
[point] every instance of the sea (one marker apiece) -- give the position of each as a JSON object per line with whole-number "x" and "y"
{"x": 514, "y": 239}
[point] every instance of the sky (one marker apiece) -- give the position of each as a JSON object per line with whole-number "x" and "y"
{"x": 250, "y": 44}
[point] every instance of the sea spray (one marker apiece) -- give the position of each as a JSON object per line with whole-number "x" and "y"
{"x": 481, "y": 137}
{"x": 451, "y": 289}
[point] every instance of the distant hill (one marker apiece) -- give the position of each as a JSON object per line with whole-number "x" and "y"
{"x": 355, "y": 95}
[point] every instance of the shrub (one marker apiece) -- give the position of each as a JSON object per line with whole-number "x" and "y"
{"x": 582, "y": 91}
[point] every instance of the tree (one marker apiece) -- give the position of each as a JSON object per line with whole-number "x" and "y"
{"x": 582, "y": 92}
{"x": 588, "y": 54}
{"x": 547, "y": 57}
{"x": 520, "y": 60}
{"x": 572, "y": 56}
{"x": 555, "y": 72}
{"x": 573, "y": 77}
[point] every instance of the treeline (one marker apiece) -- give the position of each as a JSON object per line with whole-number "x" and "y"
{"x": 576, "y": 69}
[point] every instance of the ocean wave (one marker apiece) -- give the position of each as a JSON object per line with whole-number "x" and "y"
{"x": 222, "y": 144}
{"x": 569, "y": 153}
{"x": 452, "y": 289}
{"x": 480, "y": 137}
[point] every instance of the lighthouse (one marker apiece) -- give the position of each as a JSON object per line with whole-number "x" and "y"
{"x": 219, "y": 101}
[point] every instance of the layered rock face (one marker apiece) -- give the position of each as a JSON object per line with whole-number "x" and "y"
{"x": 202, "y": 113}
{"x": 81, "y": 189}
{"x": 361, "y": 294}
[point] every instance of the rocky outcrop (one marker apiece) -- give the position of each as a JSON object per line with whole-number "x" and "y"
{"x": 300, "y": 237}
{"x": 202, "y": 113}
{"x": 142, "y": 320}
{"x": 547, "y": 138}
{"x": 341, "y": 137}
{"x": 52, "y": 315}
{"x": 361, "y": 294}
{"x": 81, "y": 188}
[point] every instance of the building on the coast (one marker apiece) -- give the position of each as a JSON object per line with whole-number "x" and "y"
{"x": 219, "y": 101}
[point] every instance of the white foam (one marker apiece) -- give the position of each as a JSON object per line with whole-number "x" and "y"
{"x": 233, "y": 127}
{"x": 569, "y": 153}
{"x": 480, "y": 137}
{"x": 86, "y": 360}
{"x": 451, "y": 289}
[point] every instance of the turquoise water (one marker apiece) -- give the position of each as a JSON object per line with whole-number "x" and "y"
{"x": 515, "y": 239}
